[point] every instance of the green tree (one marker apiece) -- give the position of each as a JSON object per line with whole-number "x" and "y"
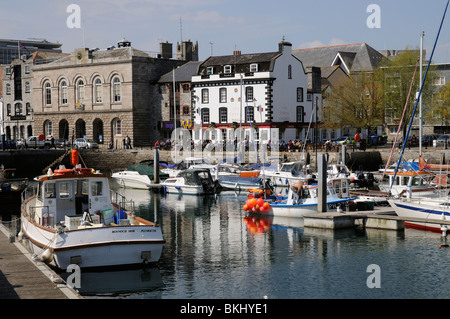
{"x": 441, "y": 106}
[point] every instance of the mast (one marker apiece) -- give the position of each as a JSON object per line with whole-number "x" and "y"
{"x": 420, "y": 97}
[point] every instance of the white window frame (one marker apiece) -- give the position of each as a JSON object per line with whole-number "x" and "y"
{"x": 98, "y": 92}
{"x": 254, "y": 67}
{"x": 116, "y": 87}
{"x": 227, "y": 69}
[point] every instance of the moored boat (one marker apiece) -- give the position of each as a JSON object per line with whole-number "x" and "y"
{"x": 190, "y": 182}
{"x": 138, "y": 176}
{"x": 71, "y": 219}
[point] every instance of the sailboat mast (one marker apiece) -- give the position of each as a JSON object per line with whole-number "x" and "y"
{"x": 420, "y": 98}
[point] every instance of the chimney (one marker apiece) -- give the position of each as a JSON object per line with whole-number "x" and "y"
{"x": 236, "y": 52}
{"x": 284, "y": 45}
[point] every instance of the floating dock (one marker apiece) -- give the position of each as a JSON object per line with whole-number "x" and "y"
{"x": 23, "y": 278}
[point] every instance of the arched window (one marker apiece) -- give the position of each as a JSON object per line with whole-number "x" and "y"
{"x": 80, "y": 92}
{"x": 28, "y": 108}
{"x": 63, "y": 92}
{"x": 289, "y": 71}
{"x": 18, "y": 109}
{"x": 48, "y": 93}
{"x": 98, "y": 93}
{"x": 8, "y": 88}
{"x": 116, "y": 90}
{"x": 48, "y": 128}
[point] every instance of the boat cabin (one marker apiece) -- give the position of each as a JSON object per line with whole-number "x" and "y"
{"x": 71, "y": 194}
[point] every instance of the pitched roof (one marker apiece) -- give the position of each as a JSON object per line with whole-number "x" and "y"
{"x": 358, "y": 57}
{"x": 183, "y": 73}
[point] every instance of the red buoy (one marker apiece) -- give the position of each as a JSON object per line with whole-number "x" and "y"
{"x": 74, "y": 158}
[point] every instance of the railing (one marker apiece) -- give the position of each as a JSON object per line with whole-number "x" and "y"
{"x": 121, "y": 201}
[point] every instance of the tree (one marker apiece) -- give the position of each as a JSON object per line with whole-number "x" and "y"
{"x": 441, "y": 105}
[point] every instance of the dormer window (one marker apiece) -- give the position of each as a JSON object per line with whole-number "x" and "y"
{"x": 227, "y": 69}
{"x": 254, "y": 67}
{"x": 210, "y": 70}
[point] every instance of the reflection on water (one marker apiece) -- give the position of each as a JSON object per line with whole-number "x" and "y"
{"x": 216, "y": 250}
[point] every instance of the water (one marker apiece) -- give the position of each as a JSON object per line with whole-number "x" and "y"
{"x": 211, "y": 253}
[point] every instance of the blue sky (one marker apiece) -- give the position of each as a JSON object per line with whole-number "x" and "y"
{"x": 250, "y": 26}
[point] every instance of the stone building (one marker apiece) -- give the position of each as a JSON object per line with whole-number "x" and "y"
{"x": 105, "y": 95}
{"x": 16, "y": 90}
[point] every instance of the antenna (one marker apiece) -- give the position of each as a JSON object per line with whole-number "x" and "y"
{"x": 181, "y": 31}
{"x": 211, "y": 44}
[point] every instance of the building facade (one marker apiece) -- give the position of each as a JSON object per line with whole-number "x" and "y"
{"x": 259, "y": 91}
{"x": 104, "y": 95}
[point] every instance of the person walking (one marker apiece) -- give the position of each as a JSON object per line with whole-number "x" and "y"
{"x": 129, "y": 142}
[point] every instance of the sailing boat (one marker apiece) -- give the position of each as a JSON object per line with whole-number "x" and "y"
{"x": 425, "y": 213}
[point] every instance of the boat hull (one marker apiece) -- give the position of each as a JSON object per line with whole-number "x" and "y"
{"x": 183, "y": 189}
{"x": 429, "y": 215}
{"x": 298, "y": 211}
{"x": 117, "y": 245}
{"x": 133, "y": 181}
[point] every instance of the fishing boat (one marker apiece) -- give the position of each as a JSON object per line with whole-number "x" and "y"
{"x": 190, "y": 182}
{"x": 71, "y": 219}
{"x": 422, "y": 213}
{"x": 287, "y": 174}
{"x": 138, "y": 176}
{"x": 303, "y": 199}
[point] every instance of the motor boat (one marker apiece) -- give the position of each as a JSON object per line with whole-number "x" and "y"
{"x": 138, "y": 176}
{"x": 196, "y": 181}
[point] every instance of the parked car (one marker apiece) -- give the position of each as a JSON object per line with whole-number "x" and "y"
{"x": 427, "y": 140}
{"x": 61, "y": 143}
{"x": 344, "y": 140}
{"x": 85, "y": 143}
{"x": 442, "y": 139}
{"x": 36, "y": 142}
{"x": 9, "y": 144}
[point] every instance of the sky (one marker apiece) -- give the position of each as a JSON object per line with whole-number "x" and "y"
{"x": 222, "y": 26}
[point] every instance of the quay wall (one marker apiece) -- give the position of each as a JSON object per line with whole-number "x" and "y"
{"x": 30, "y": 163}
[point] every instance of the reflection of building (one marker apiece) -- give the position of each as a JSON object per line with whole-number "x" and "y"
{"x": 101, "y": 94}
{"x": 17, "y": 86}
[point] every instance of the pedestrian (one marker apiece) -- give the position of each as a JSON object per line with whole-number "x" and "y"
{"x": 52, "y": 141}
{"x": 125, "y": 144}
{"x": 156, "y": 145}
{"x": 129, "y": 142}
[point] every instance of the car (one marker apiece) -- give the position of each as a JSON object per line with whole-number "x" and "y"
{"x": 61, "y": 143}
{"x": 443, "y": 139}
{"x": 344, "y": 140}
{"x": 427, "y": 140}
{"x": 85, "y": 143}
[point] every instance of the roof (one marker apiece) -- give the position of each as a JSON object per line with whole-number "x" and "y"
{"x": 183, "y": 73}
{"x": 357, "y": 57}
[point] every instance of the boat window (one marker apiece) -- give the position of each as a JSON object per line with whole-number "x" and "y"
{"x": 337, "y": 187}
{"x": 97, "y": 188}
{"x": 50, "y": 190}
{"x": 344, "y": 187}
{"x": 416, "y": 181}
{"x": 84, "y": 187}
{"x": 189, "y": 179}
{"x": 65, "y": 189}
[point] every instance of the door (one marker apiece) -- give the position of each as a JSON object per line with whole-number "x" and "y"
{"x": 99, "y": 197}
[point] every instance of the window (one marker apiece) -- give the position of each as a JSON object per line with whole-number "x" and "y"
{"x": 253, "y": 67}
{"x": 289, "y": 71}
{"x": 48, "y": 93}
{"x": 299, "y": 94}
{"x": 223, "y": 95}
{"x": 18, "y": 109}
{"x": 249, "y": 93}
{"x": 97, "y": 188}
{"x": 8, "y": 109}
{"x": 27, "y": 87}
{"x": 8, "y": 88}
{"x": 63, "y": 92}
{"x": 49, "y": 190}
{"x": 223, "y": 115}
{"x": 8, "y": 71}
{"x": 65, "y": 189}
{"x": 28, "y": 108}
{"x": 27, "y": 69}
{"x": 249, "y": 114}
{"x": 117, "y": 127}
{"x": 98, "y": 97}
{"x": 186, "y": 110}
{"x": 300, "y": 114}
{"x": 205, "y": 116}
{"x": 186, "y": 88}
{"x": 116, "y": 90}
{"x": 80, "y": 92}
{"x": 210, "y": 70}
{"x": 48, "y": 128}
{"x": 227, "y": 69}
{"x": 205, "y": 96}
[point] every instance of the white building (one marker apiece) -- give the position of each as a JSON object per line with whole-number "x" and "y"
{"x": 263, "y": 91}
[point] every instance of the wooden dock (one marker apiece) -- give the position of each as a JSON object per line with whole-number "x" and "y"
{"x": 23, "y": 278}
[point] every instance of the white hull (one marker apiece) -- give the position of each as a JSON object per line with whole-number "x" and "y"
{"x": 298, "y": 211}
{"x": 183, "y": 189}
{"x": 117, "y": 245}
{"x": 131, "y": 180}
{"x": 430, "y": 211}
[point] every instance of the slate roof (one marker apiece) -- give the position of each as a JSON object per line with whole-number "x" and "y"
{"x": 183, "y": 73}
{"x": 359, "y": 57}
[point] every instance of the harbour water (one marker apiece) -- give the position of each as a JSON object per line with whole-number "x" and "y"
{"x": 213, "y": 251}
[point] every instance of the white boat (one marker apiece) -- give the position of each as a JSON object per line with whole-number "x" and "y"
{"x": 239, "y": 182}
{"x": 137, "y": 176}
{"x": 424, "y": 213}
{"x": 303, "y": 201}
{"x": 190, "y": 182}
{"x": 287, "y": 174}
{"x": 71, "y": 219}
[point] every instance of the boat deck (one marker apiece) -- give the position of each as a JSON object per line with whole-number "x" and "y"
{"x": 23, "y": 278}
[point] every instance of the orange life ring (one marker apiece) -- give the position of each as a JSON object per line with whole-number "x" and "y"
{"x": 83, "y": 170}
{"x": 41, "y": 137}
{"x": 63, "y": 171}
